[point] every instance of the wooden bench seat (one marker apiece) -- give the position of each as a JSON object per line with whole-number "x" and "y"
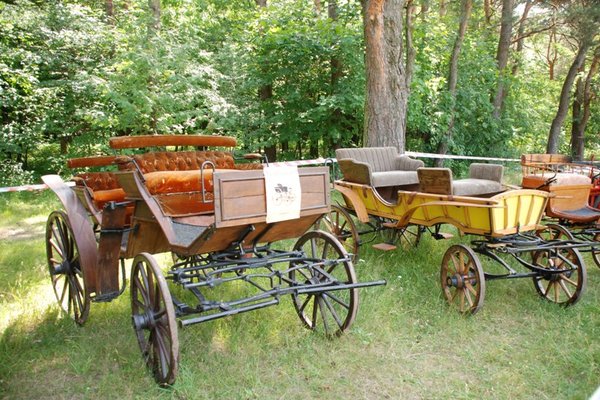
{"x": 483, "y": 180}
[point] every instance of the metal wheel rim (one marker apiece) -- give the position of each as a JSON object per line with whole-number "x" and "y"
{"x": 153, "y": 318}
{"x": 66, "y": 274}
{"x": 596, "y": 253}
{"x": 331, "y": 312}
{"x": 462, "y": 279}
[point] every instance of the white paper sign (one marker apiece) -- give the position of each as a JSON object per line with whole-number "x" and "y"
{"x": 284, "y": 195}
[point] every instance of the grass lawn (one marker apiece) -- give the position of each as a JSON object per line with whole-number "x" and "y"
{"x": 406, "y": 343}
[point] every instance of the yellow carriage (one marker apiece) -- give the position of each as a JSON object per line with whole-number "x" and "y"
{"x": 508, "y": 222}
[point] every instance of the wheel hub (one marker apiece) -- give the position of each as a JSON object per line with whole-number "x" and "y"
{"x": 143, "y": 321}
{"x": 62, "y": 269}
{"x": 456, "y": 280}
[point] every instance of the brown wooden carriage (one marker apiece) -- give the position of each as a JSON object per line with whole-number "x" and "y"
{"x": 569, "y": 215}
{"x": 213, "y": 215}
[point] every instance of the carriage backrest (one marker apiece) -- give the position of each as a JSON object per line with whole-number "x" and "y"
{"x": 379, "y": 158}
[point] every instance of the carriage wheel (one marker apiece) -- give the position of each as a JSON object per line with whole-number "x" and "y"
{"x": 462, "y": 278}
{"x": 407, "y": 237}
{"x": 596, "y": 250}
{"x": 562, "y": 288}
{"x": 330, "y": 312}
{"x": 153, "y": 318}
{"x": 339, "y": 222}
{"x": 65, "y": 269}
{"x": 556, "y": 232}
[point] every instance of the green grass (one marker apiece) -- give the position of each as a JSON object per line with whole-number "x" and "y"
{"x": 406, "y": 343}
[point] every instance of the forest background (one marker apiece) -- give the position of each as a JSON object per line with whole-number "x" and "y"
{"x": 483, "y": 78}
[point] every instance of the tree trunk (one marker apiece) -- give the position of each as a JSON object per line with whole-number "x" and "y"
{"x": 442, "y": 147}
{"x": 110, "y": 11}
{"x": 487, "y": 10}
{"x": 424, "y": 9}
{"x": 443, "y": 8}
{"x": 154, "y": 25}
{"x": 502, "y": 55}
{"x": 386, "y": 95}
{"x": 565, "y": 97}
{"x": 520, "y": 33}
{"x": 576, "y": 140}
{"x": 265, "y": 93}
{"x": 580, "y": 119}
{"x": 411, "y": 53}
{"x": 337, "y": 73}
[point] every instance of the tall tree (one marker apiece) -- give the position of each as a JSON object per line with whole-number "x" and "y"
{"x": 502, "y": 55}
{"x": 520, "y": 35}
{"x": 581, "y": 108}
{"x": 386, "y": 97}
{"x": 443, "y": 144}
{"x": 584, "y": 16}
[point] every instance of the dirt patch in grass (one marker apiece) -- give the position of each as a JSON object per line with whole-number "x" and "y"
{"x": 27, "y": 229}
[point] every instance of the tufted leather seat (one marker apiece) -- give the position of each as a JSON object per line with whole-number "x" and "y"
{"x": 103, "y": 187}
{"x": 173, "y": 178}
{"x": 182, "y": 160}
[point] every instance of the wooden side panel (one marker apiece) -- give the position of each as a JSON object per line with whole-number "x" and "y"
{"x": 569, "y": 197}
{"x": 109, "y": 248}
{"x": 129, "y": 185}
{"x": 240, "y": 195}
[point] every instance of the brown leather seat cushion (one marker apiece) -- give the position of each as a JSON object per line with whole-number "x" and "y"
{"x": 163, "y": 182}
{"x": 182, "y": 160}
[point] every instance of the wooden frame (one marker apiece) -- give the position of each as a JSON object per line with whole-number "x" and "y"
{"x": 132, "y": 142}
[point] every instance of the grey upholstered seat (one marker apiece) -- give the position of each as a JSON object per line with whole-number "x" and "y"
{"x": 483, "y": 180}
{"x": 377, "y": 166}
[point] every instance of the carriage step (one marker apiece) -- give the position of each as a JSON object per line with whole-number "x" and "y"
{"x": 390, "y": 224}
{"x": 384, "y": 246}
{"x": 443, "y": 235}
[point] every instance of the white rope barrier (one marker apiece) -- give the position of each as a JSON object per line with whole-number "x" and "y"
{"x": 316, "y": 161}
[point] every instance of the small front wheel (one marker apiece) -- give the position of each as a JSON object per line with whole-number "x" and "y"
{"x": 463, "y": 280}
{"x": 64, "y": 265}
{"x": 325, "y": 263}
{"x": 566, "y": 279}
{"x": 153, "y": 318}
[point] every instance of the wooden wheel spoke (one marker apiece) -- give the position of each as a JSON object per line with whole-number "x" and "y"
{"x": 471, "y": 288}
{"x": 468, "y": 296}
{"x": 56, "y": 247}
{"x": 314, "y": 312}
{"x": 461, "y": 296}
{"x": 332, "y": 311}
{"x": 142, "y": 291}
{"x": 64, "y": 290}
{"x": 565, "y": 288}
{"x": 303, "y": 306}
{"x": 556, "y": 292}
{"x": 313, "y": 248}
{"x": 162, "y": 354}
{"x": 569, "y": 280}
{"x": 337, "y": 300}
{"x": 321, "y": 307}
{"x": 454, "y": 266}
{"x": 547, "y": 292}
{"x": 325, "y": 251}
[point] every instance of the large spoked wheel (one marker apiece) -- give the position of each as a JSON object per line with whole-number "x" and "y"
{"x": 462, "y": 278}
{"x": 596, "y": 250}
{"x": 556, "y": 232}
{"x": 340, "y": 223}
{"x": 563, "y": 288}
{"x": 153, "y": 317}
{"x": 327, "y": 262}
{"x": 65, "y": 268}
